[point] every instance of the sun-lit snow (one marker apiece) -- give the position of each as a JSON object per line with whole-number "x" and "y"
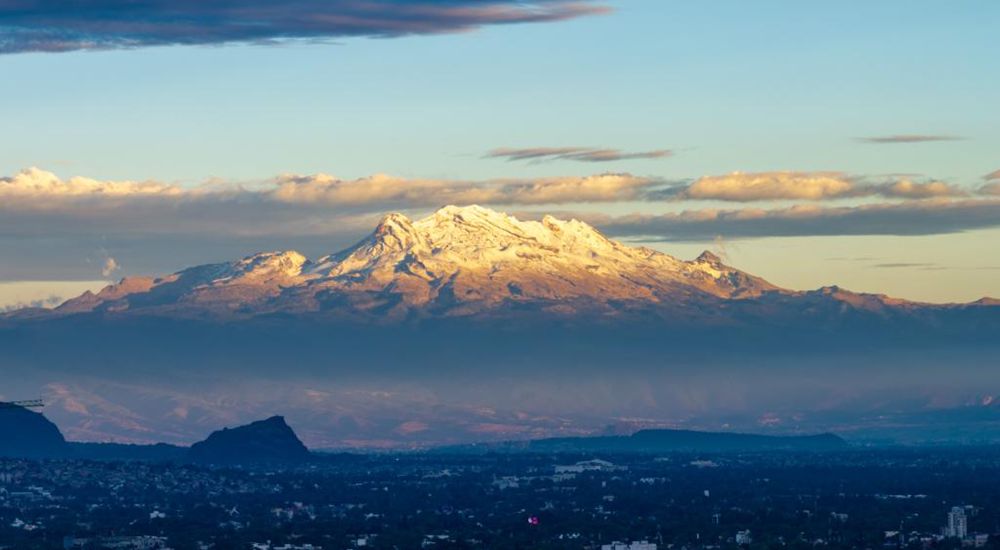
{"x": 458, "y": 260}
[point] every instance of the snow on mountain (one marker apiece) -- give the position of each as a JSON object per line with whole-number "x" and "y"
{"x": 464, "y": 261}
{"x": 457, "y": 261}
{"x": 474, "y": 258}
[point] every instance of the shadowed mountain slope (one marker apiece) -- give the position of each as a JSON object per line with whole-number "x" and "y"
{"x": 28, "y": 434}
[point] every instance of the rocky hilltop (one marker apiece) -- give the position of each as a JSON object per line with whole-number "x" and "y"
{"x": 264, "y": 441}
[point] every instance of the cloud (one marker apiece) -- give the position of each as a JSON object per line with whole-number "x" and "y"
{"x": 48, "y": 302}
{"x": 908, "y": 138}
{"x": 903, "y": 265}
{"x": 54, "y": 26}
{"x": 110, "y": 267}
{"x": 385, "y": 190}
{"x": 581, "y": 154}
{"x": 36, "y": 189}
{"x": 34, "y": 183}
{"x": 929, "y": 217}
{"x": 907, "y": 189}
{"x": 990, "y": 189}
{"x": 992, "y": 176}
{"x": 154, "y": 228}
{"x": 811, "y": 186}
{"x": 742, "y": 187}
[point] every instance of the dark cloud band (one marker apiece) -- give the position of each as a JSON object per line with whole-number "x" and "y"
{"x": 66, "y": 25}
{"x": 580, "y": 154}
{"x": 908, "y": 218}
{"x": 908, "y": 138}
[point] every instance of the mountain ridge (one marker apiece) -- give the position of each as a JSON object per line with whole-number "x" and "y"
{"x": 464, "y": 262}
{"x": 271, "y": 441}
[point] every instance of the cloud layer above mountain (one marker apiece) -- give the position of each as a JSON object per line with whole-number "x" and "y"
{"x": 50, "y": 223}
{"x": 33, "y": 183}
{"x": 811, "y": 186}
{"x": 382, "y": 189}
{"x": 58, "y": 26}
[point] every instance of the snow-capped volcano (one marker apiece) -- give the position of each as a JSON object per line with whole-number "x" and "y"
{"x": 457, "y": 261}
{"x": 470, "y": 324}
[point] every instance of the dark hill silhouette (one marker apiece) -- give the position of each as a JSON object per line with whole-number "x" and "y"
{"x": 28, "y": 434}
{"x": 264, "y": 441}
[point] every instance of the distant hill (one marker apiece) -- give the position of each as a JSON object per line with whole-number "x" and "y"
{"x": 660, "y": 441}
{"x": 264, "y": 441}
{"x": 27, "y": 434}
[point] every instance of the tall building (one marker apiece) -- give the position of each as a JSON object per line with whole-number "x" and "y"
{"x": 958, "y": 525}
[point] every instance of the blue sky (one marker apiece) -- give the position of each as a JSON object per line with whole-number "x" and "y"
{"x": 730, "y": 85}
{"x": 727, "y": 86}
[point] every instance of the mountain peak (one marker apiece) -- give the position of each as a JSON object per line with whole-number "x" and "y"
{"x": 448, "y": 223}
{"x": 276, "y": 420}
{"x": 471, "y": 211}
{"x": 394, "y": 232}
{"x": 394, "y": 222}
{"x": 709, "y": 258}
{"x": 470, "y": 258}
{"x": 266, "y": 265}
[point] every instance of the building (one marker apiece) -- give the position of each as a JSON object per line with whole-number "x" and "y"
{"x": 634, "y": 545}
{"x": 141, "y": 542}
{"x": 958, "y": 526}
{"x": 594, "y": 465}
{"x": 743, "y": 537}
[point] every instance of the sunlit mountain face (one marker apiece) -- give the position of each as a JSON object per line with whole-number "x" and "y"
{"x": 471, "y": 325}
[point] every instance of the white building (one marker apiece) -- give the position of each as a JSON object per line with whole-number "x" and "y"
{"x": 743, "y": 537}
{"x": 958, "y": 526}
{"x": 594, "y": 465}
{"x": 634, "y": 545}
